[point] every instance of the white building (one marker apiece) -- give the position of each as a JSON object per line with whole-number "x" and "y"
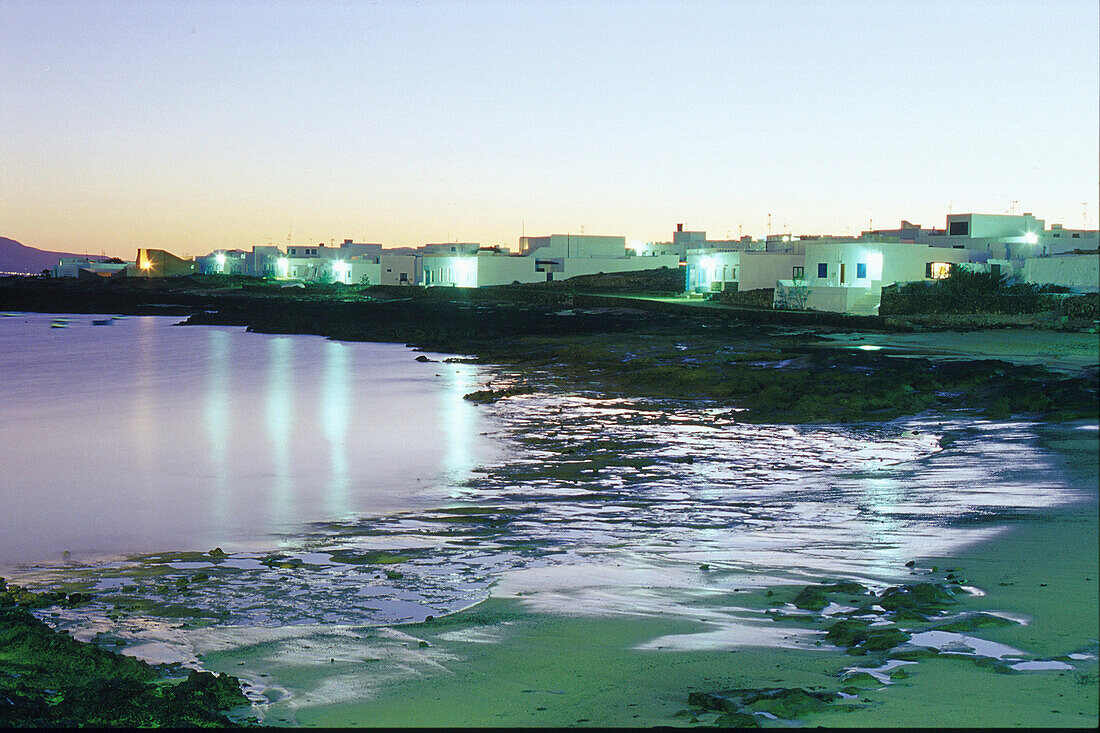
{"x": 1081, "y": 272}
{"x": 400, "y": 269}
{"x": 847, "y": 276}
{"x": 558, "y": 256}
{"x": 712, "y": 271}
{"x": 74, "y": 266}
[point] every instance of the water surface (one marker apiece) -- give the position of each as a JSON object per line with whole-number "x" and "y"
{"x": 140, "y": 435}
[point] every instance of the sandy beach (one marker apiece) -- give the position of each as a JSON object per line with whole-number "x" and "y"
{"x": 518, "y": 660}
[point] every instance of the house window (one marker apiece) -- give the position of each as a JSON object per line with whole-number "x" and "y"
{"x": 1076, "y": 235}
{"x": 861, "y": 270}
{"x": 798, "y": 273}
{"x": 937, "y": 270}
{"x": 823, "y": 269}
{"x": 958, "y": 228}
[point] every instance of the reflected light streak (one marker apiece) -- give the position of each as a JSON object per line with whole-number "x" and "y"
{"x": 279, "y": 413}
{"x": 218, "y": 423}
{"x": 883, "y": 493}
{"x": 458, "y": 420}
{"x": 144, "y": 404}
{"x": 335, "y": 420}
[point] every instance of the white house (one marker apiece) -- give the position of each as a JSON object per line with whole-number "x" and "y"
{"x": 711, "y": 271}
{"x": 540, "y": 259}
{"x": 847, "y": 276}
{"x": 1081, "y": 272}
{"x": 73, "y": 266}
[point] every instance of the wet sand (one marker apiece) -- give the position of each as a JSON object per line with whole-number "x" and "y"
{"x": 512, "y": 661}
{"x": 1057, "y": 350}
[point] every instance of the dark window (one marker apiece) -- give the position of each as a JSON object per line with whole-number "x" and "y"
{"x": 958, "y": 228}
{"x": 861, "y": 270}
{"x": 1076, "y": 235}
{"x": 928, "y": 269}
{"x": 798, "y": 273}
{"x": 823, "y": 269}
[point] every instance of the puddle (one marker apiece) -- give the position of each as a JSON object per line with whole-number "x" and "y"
{"x": 950, "y": 642}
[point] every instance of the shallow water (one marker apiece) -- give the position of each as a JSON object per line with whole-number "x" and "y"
{"x": 574, "y": 504}
{"x": 141, "y": 436}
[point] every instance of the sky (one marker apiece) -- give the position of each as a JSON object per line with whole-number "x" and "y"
{"x": 194, "y": 126}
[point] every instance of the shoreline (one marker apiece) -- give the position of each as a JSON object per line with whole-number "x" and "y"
{"x": 543, "y": 637}
{"x": 501, "y": 662}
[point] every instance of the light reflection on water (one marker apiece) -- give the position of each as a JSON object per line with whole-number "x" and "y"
{"x": 143, "y": 436}
{"x": 598, "y": 506}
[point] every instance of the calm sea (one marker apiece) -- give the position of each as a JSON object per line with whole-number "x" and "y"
{"x": 137, "y": 435}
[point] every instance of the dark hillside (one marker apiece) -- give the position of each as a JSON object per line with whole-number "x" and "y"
{"x": 19, "y": 258}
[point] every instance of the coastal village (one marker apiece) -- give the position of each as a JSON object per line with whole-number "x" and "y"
{"x": 842, "y": 274}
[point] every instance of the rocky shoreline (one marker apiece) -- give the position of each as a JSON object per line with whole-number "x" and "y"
{"x": 48, "y": 679}
{"x": 759, "y": 372}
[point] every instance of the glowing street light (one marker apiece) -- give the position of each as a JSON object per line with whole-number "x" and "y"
{"x": 219, "y": 260}
{"x": 1031, "y": 238}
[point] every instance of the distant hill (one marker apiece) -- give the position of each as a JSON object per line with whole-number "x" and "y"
{"x": 17, "y": 257}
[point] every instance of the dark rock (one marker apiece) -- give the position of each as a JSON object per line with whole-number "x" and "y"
{"x": 914, "y": 655}
{"x": 848, "y": 632}
{"x": 736, "y": 720}
{"x": 815, "y": 597}
{"x": 977, "y": 621}
{"x": 908, "y": 614}
{"x": 854, "y": 682}
{"x": 860, "y": 637}
{"x": 920, "y": 597}
{"x": 881, "y": 640}
{"x": 714, "y": 701}
{"x": 811, "y": 598}
{"x": 789, "y": 703}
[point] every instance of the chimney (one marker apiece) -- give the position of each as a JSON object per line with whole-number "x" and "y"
{"x": 679, "y": 227}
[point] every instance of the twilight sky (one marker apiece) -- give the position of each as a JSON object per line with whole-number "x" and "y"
{"x": 199, "y": 125}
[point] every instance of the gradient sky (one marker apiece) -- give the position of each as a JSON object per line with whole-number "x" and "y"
{"x": 200, "y": 125}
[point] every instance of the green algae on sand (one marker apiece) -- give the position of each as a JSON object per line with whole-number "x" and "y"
{"x": 48, "y": 679}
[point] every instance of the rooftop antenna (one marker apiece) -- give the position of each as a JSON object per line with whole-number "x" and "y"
{"x": 769, "y": 223}
{"x": 1085, "y": 214}
{"x": 582, "y": 228}
{"x": 739, "y": 227}
{"x": 1012, "y": 207}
